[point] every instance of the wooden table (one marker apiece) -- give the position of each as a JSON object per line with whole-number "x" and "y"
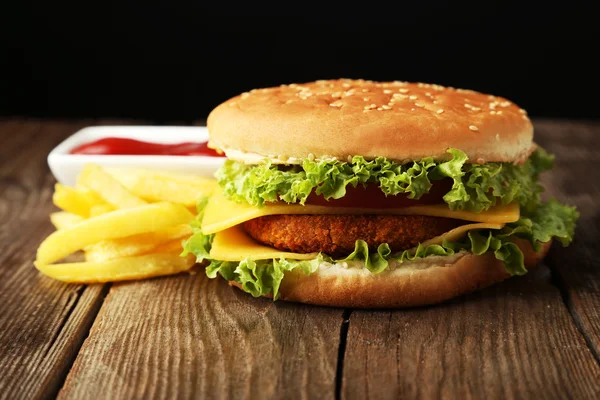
{"x": 187, "y": 336}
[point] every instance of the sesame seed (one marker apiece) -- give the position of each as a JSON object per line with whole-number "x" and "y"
{"x": 497, "y": 137}
{"x": 386, "y": 107}
{"x": 475, "y": 108}
{"x": 281, "y": 157}
{"x": 335, "y": 104}
{"x": 473, "y": 128}
{"x": 289, "y": 101}
{"x": 522, "y": 111}
{"x": 232, "y": 104}
{"x": 346, "y": 85}
{"x": 366, "y": 99}
{"x": 499, "y": 112}
{"x": 379, "y": 109}
{"x": 373, "y": 105}
{"x": 468, "y": 105}
{"x": 413, "y": 97}
{"x": 419, "y": 105}
{"x": 365, "y": 90}
{"x": 440, "y": 111}
{"x": 493, "y": 112}
{"x": 387, "y": 91}
{"x": 349, "y": 158}
{"x": 436, "y": 102}
{"x": 311, "y": 156}
{"x": 403, "y": 90}
{"x": 480, "y": 161}
{"x": 245, "y": 95}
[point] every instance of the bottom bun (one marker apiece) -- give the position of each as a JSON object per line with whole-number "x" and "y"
{"x": 429, "y": 280}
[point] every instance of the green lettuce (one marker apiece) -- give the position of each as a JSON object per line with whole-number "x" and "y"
{"x": 198, "y": 244}
{"x": 476, "y": 187}
{"x": 257, "y": 184}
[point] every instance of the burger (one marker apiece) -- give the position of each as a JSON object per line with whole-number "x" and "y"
{"x": 355, "y": 193}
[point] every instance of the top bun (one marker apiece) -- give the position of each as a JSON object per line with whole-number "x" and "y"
{"x": 338, "y": 119}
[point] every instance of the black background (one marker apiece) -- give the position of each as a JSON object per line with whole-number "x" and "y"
{"x": 174, "y": 61}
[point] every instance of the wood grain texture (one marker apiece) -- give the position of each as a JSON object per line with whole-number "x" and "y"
{"x": 576, "y": 180}
{"x": 43, "y": 322}
{"x": 515, "y": 340}
{"x": 192, "y": 337}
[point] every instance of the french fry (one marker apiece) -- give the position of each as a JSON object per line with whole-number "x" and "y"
{"x": 138, "y": 244}
{"x": 164, "y": 186}
{"x": 116, "y": 224}
{"x": 174, "y": 246}
{"x": 100, "y": 209}
{"x": 95, "y": 178}
{"x": 75, "y": 201}
{"x": 139, "y": 267}
{"x": 63, "y": 219}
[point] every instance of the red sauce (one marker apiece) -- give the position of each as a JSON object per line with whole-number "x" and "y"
{"x": 124, "y": 146}
{"x": 373, "y": 197}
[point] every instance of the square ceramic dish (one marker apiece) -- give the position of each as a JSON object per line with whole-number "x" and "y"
{"x": 65, "y": 167}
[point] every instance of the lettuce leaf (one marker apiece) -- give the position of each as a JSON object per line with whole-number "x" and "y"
{"x": 257, "y": 184}
{"x": 198, "y": 244}
{"x": 260, "y": 277}
{"x": 476, "y": 187}
{"x": 550, "y": 220}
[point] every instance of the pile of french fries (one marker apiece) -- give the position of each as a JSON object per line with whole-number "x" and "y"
{"x": 129, "y": 223}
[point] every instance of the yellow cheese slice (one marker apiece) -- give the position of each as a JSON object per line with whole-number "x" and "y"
{"x": 222, "y": 213}
{"x": 457, "y": 233}
{"x": 234, "y": 244}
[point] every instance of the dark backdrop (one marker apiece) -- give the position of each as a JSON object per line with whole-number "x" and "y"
{"x": 174, "y": 61}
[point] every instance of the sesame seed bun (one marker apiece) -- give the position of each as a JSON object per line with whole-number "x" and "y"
{"x": 430, "y": 280}
{"x": 337, "y": 119}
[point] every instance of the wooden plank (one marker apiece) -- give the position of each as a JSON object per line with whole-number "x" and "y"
{"x": 515, "y": 340}
{"x": 43, "y": 322}
{"x": 576, "y": 180}
{"x": 191, "y": 337}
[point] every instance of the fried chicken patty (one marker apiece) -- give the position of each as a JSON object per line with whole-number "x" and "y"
{"x": 335, "y": 235}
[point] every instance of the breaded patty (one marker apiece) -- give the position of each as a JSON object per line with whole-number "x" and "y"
{"x": 335, "y": 235}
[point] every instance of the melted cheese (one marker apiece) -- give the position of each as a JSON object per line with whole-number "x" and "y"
{"x": 234, "y": 244}
{"x": 222, "y": 213}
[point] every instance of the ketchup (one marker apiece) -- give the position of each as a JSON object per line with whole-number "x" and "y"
{"x": 124, "y": 146}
